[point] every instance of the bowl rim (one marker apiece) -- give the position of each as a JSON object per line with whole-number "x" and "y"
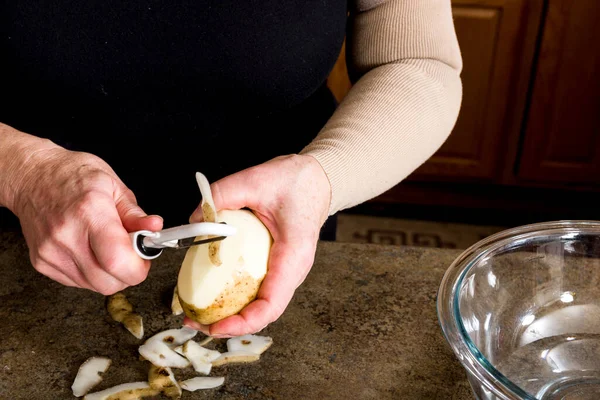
{"x": 447, "y": 306}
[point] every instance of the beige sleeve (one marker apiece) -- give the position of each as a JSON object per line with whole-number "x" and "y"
{"x": 403, "y": 105}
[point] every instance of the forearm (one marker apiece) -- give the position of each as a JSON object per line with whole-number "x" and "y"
{"x": 402, "y": 108}
{"x": 363, "y": 157}
{"x": 17, "y": 149}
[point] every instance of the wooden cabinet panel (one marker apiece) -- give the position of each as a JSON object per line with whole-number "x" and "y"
{"x": 562, "y": 135}
{"x": 467, "y": 143}
{"x": 338, "y": 81}
{"x": 491, "y": 35}
{"x": 466, "y": 152}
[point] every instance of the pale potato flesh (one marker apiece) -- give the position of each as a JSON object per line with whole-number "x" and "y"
{"x": 209, "y": 292}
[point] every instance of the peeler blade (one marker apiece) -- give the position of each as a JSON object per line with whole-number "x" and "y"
{"x": 189, "y": 242}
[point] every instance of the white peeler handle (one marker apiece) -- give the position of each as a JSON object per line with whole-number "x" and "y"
{"x": 137, "y": 240}
{"x": 149, "y": 245}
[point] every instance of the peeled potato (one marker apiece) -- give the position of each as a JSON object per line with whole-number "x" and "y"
{"x": 210, "y": 292}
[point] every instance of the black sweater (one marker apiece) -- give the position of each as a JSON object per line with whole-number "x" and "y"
{"x": 162, "y": 89}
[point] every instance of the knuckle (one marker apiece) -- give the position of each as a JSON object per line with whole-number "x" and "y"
{"x": 109, "y": 288}
{"x": 58, "y": 229}
{"x": 138, "y": 271}
{"x": 40, "y": 266}
{"x": 106, "y": 291}
{"x": 85, "y": 203}
{"x": 113, "y": 266}
{"x": 128, "y": 194}
{"x": 46, "y": 250}
{"x": 88, "y": 197}
{"x": 138, "y": 276}
{"x": 131, "y": 272}
{"x": 91, "y": 170}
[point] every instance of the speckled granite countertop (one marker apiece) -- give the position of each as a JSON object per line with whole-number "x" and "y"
{"x": 362, "y": 326}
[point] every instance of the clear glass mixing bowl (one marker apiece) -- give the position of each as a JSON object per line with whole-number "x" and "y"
{"x": 521, "y": 311}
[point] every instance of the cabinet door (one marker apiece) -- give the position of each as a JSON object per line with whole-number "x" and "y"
{"x": 494, "y": 37}
{"x": 562, "y": 134}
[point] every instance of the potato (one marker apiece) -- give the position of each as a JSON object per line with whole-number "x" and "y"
{"x": 208, "y": 291}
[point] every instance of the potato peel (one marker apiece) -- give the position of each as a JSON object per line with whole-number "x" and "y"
{"x": 209, "y": 214}
{"x": 89, "y": 375}
{"x": 179, "y": 350}
{"x": 124, "y": 391}
{"x": 202, "y": 382}
{"x": 252, "y": 343}
{"x": 159, "y": 348}
{"x": 176, "y": 308}
{"x": 174, "y": 337}
{"x": 162, "y": 379}
{"x": 200, "y": 357}
{"x": 121, "y": 310}
{"x": 235, "y": 357}
{"x": 160, "y": 354}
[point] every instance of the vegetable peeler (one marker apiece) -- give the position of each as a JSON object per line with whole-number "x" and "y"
{"x": 149, "y": 245}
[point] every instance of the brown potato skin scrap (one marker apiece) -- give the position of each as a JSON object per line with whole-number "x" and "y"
{"x": 236, "y": 360}
{"x": 132, "y": 321}
{"x": 213, "y": 253}
{"x": 169, "y": 339}
{"x": 119, "y": 307}
{"x": 208, "y": 214}
{"x": 134, "y": 394}
{"x": 159, "y": 379}
{"x": 233, "y": 299}
{"x": 121, "y": 310}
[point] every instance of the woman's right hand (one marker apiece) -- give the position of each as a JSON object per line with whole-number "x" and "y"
{"x": 75, "y": 214}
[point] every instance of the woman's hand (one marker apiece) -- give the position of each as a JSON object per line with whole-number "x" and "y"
{"x": 75, "y": 214}
{"x": 290, "y": 195}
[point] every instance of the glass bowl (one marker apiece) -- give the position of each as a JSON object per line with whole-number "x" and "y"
{"x": 521, "y": 311}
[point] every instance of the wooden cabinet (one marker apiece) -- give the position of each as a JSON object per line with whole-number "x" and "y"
{"x": 529, "y": 126}
{"x": 496, "y": 40}
{"x": 562, "y": 130}
{"x": 467, "y": 153}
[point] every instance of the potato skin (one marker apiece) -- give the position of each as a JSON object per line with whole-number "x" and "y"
{"x": 231, "y": 301}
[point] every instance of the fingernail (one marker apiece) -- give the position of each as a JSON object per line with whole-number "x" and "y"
{"x": 155, "y": 216}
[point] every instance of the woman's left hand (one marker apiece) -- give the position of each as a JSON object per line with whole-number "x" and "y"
{"x": 290, "y": 195}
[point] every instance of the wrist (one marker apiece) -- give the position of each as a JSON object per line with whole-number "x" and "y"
{"x": 320, "y": 181}
{"x": 19, "y": 153}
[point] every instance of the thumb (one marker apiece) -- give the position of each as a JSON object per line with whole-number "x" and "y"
{"x": 231, "y": 192}
{"x": 134, "y": 218}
